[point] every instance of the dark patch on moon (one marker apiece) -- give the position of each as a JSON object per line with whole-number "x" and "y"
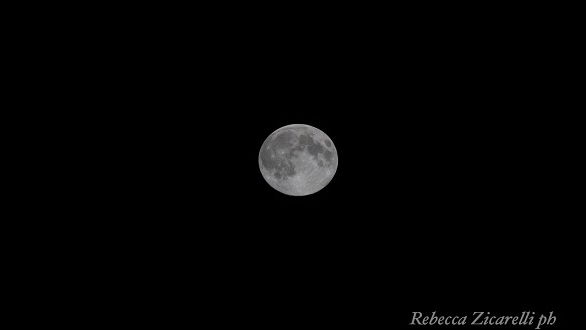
{"x": 307, "y": 142}
{"x": 328, "y": 143}
{"x": 284, "y": 170}
{"x": 290, "y": 169}
{"x": 281, "y": 167}
{"x": 315, "y": 149}
{"x": 267, "y": 161}
{"x": 283, "y": 140}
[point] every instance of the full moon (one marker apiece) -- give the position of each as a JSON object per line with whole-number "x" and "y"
{"x": 298, "y": 160}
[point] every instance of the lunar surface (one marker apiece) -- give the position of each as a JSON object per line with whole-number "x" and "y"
{"x": 298, "y": 160}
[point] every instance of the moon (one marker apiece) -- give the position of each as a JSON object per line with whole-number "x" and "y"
{"x": 298, "y": 160}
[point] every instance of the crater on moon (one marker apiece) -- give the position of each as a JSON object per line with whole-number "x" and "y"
{"x": 298, "y": 159}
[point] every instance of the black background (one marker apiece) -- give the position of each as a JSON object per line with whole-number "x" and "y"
{"x": 447, "y": 195}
